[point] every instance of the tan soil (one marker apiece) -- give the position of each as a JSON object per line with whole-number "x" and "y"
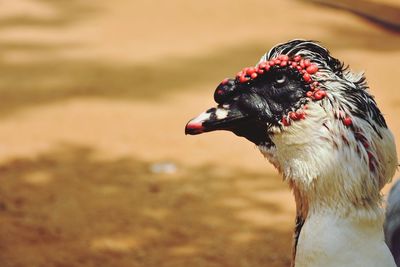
{"x": 93, "y": 93}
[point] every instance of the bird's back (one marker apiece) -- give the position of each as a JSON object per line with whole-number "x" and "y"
{"x": 392, "y": 223}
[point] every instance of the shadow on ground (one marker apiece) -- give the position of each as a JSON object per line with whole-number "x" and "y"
{"x": 384, "y": 14}
{"x": 70, "y": 208}
{"x": 67, "y": 13}
{"x": 41, "y": 82}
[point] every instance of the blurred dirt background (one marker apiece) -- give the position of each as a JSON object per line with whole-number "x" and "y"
{"x": 94, "y": 167}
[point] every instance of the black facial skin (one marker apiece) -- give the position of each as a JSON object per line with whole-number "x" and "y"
{"x": 272, "y": 95}
{"x": 262, "y": 101}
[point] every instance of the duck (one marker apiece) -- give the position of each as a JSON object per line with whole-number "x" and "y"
{"x": 392, "y": 222}
{"x": 317, "y": 122}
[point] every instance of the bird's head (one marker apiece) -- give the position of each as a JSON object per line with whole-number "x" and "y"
{"x": 307, "y": 114}
{"x": 263, "y": 100}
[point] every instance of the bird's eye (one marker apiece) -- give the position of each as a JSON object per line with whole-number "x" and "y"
{"x": 280, "y": 79}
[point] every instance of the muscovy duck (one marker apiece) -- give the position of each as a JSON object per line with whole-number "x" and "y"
{"x": 317, "y": 123}
{"x": 392, "y": 222}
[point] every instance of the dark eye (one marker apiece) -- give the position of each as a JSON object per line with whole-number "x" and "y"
{"x": 280, "y": 79}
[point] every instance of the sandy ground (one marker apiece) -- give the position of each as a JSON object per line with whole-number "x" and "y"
{"x": 94, "y": 93}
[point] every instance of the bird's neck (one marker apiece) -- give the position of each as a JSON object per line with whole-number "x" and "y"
{"x": 329, "y": 235}
{"x": 328, "y": 240}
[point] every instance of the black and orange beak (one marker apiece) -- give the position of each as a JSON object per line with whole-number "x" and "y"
{"x": 229, "y": 118}
{"x": 244, "y": 114}
{"x": 219, "y": 118}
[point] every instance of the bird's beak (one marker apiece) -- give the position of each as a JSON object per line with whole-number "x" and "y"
{"x": 224, "y": 117}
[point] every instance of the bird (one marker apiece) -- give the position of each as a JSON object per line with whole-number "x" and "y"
{"x": 392, "y": 222}
{"x": 317, "y": 122}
